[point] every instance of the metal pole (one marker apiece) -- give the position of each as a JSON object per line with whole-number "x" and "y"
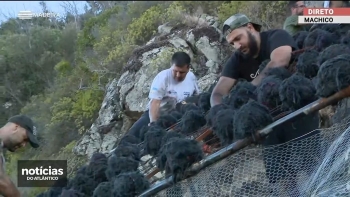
{"x": 240, "y": 144}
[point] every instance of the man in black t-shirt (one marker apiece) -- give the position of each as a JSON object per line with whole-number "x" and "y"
{"x": 253, "y": 47}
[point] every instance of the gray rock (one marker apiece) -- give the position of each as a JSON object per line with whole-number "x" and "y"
{"x": 110, "y": 111}
{"x": 164, "y": 29}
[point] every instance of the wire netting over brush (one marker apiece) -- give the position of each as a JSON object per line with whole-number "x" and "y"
{"x": 313, "y": 165}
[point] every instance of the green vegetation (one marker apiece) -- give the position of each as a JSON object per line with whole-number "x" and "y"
{"x": 49, "y": 66}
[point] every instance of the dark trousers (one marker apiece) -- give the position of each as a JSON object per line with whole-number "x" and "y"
{"x": 137, "y": 126}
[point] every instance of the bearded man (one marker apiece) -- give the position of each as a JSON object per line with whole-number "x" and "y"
{"x": 252, "y": 48}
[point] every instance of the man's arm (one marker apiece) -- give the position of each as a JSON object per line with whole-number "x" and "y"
{"x": 281, "y": 45}
{"x": 7, "y": 188}
{"x": 221, "y": 89}
{"x": 154, "y": 110}
{"x": 156, "y": 95}
{"x": 228, "y": 79}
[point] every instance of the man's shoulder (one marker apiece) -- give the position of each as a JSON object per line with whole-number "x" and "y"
{"x": 278, "y": 35}
{"x": 235, "y": 59}
{"x": 271, "y": 32}
{"x": 191, "y": 74}
{"x": 235, "y": 56}
{"x": 163, "y": 74}
{"x": 192, "y": 77}
{"x": 293, "y": 19}
{"x": 291, "y": 25}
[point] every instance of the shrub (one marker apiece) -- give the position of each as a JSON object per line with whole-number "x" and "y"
{"x": 200, "y": 7}
{"x": 270, "y": 14}
{"x": 142, "y": 29}
{"x": 137, "y": 8}
{"x": 119, "y": 56}
{"x": 228, "y": 9}
{"x": 63, "y": 68}
{"x": 85, "y": 108}
{"x": 86, "y": 39}
{"x": 175, "y": 13}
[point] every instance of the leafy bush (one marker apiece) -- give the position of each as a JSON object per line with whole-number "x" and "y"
{"x": 86, "y": 38}
{"x": 270, "y": 14}
{"x": 175, "y": 13}
{"x": 230, "y": 8}
{"x": 85, "y": 108}
{"x": 63, "y": 68}
{"x": 141, "y": 29}
{"x": 119, "y": 56}
{"x": 137, "y": 8}
{"x": 200, "y": 7}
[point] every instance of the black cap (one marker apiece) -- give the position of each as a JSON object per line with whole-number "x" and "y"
{"x": 27, "y": 124}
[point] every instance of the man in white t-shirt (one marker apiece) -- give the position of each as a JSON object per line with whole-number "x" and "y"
{"x": 168, "y": 88}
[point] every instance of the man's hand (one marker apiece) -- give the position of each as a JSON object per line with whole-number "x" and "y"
{"x": 221, "y": 89}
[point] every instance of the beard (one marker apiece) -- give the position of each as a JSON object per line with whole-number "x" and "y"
{"x": 252, "y": 46}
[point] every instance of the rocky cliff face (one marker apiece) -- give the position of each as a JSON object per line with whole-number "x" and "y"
{"x": 126, "y": 98}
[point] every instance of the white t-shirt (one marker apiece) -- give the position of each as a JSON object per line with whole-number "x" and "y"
{"x": 164, "y": 87}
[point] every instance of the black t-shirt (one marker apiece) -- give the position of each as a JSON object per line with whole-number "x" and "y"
{"x": 247, "y": 68}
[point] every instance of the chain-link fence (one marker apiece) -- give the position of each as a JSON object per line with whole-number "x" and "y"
{"x": 313, "y": 165}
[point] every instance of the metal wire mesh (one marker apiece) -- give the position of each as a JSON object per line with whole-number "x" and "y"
{"x": 313, "y": 165}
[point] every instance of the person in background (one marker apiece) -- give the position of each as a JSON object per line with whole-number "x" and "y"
{"x": 331, "y": 4}
{"x": 168, "y": 88}
{"x": 16, "y": 133}
{"x": 336, "y": 4}
{"x": 291, "y": 23}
